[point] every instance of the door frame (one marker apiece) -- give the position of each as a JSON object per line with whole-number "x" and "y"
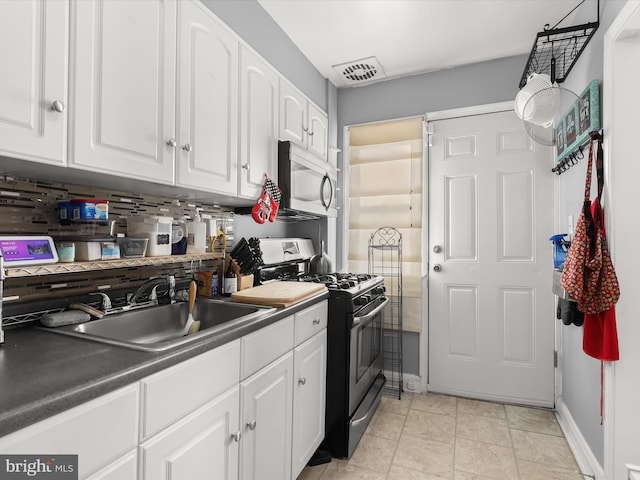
{"x": 424, "y": 339}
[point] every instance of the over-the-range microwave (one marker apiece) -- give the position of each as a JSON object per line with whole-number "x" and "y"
{"x": 308, "y": 183}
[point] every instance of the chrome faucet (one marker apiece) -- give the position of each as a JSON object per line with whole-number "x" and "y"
{"x": 152, "y": 285}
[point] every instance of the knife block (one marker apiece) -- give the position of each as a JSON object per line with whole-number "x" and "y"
{"x": 244, "y": 281}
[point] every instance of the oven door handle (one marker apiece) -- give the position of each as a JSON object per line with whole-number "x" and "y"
{"x": 378, "y": 309}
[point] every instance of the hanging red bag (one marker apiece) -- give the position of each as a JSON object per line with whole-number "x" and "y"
{"x": 588, "y": 274}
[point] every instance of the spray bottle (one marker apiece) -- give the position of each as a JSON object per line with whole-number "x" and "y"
{"x": 560, "y": 251}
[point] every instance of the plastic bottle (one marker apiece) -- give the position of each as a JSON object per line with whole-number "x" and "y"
{"x": 196, "y": 235}
{"x": 179, "y": 237}
{"x": 229, "y": 281}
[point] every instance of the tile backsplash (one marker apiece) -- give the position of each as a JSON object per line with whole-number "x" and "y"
{"x": 31, "y": 207}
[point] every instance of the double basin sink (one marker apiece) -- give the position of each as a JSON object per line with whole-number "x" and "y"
{"x": 162, "y": 327}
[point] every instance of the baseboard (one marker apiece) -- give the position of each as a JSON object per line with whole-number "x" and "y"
{"x": 585, "y": 458}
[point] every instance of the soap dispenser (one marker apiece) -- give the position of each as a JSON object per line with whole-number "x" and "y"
{"x": 196, "y": 235}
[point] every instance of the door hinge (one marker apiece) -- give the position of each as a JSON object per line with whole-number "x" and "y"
{"x": 555, "y": 359}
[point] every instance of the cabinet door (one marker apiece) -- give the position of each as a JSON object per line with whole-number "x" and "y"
{"x": 207, "y": 102}
{"x": 258, "y": 124}
{"x": 266, "y": 417}
{"x": 202, "y": 446}
{"x": 123, "y": 468}
{"x": 123, "y": 87}
{"x": 318, "y": 130}
{"x": 34, "y": 57}
{"x": 310, "y": 368}
{"x": 293, "y": 115}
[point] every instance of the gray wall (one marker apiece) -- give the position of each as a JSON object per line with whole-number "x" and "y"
{"x": 482, "y": 83}
{"x": 581, "y": 373}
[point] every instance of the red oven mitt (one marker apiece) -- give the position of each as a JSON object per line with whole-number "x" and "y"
{"x": 266, "y": 208}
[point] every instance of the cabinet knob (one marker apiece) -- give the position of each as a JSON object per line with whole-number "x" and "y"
{"x": 302, "y": 381}
{"x": 316, "y": 321}
{"x": 236, "y": 436}
{"x": 251, "y": 425}
{"x": 245, "y": 166}
{"x": 58, "y": 106}
{"x": 305, "y": 129}
{"x": 172, "y": 142}
{"x": 437, "y": 267}
{"x": 437, "y": 249}
{"x": 187, "y": 147}
{"x": 310, "y": 133}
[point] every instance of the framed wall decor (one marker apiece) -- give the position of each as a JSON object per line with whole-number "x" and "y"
{"x": 580, "y": 119}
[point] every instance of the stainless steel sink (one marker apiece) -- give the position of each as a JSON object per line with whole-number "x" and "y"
{"x": 163, "y": 327}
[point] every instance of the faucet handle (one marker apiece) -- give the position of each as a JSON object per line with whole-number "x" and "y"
{"x": 106, "y": 301}
{"x": 153, "y": 296}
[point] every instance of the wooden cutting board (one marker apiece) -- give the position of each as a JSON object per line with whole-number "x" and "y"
{"x": 278, "y": 294}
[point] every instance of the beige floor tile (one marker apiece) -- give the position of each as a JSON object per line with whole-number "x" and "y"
{"x": 483, "y": 429}
{"x": 312, "y": 473}
{"x": 541, "y": 448}
{"x": 458, "y": 475}
{"x": 342, "y": 470}
{"x": 430, "y": 426}
{"x": 434, "y": 403}
{"x": 386, "y": 425}
{"x": 425, "y": 456}
{"x": 480, "y": 408}
{"x": 399, "y": 472}
{"x": 374, "y": 453}
{"x": 393, "y": 405}
{"x": 485, "y": 459}
{"x": 539, "y": 471}
{"x": 532, "y": 420}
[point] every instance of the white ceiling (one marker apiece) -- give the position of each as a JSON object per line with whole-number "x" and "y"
{"x": 413, "y": 36}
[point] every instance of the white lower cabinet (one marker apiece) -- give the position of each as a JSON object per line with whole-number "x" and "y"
{"x": 267, "y": 405}
{"x": 202, "y": 446}
{"x": 125, "y": 468}
{"x": 310, "y": 368}
{"x": 100, "y": 432}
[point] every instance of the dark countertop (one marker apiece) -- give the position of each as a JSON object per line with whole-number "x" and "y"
{"x": 44, "y": 373}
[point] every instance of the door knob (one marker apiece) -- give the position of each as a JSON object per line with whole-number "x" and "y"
{"x": 437, "y": 267}
{"x": 437, "y": 249}
{"x": 58, "y": 106}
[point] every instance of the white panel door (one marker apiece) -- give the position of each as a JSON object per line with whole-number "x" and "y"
{"x": 208, "y": 102}
{"x": 258, "y": 124}
{"x": 491, "y": 315}
{"x": 265, "y": 420}
{"x": 34, "y": 54}
{"x": 123, "y": 87}
{"x": 202, "y": 446}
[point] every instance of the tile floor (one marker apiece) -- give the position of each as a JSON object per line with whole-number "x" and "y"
{"x": 434, "y": 437}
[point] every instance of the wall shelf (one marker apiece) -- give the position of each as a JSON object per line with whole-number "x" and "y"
{"x": 62, "y": 268}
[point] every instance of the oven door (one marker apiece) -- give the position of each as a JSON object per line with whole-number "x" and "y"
{"x": 366, "y": 351}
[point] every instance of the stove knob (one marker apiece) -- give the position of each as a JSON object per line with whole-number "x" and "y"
{"x": 362, "y": 300}
{"x": 378, "y": 290}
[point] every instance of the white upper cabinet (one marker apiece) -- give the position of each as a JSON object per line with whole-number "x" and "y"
{"x": 207, "y": 102}
{"x": 122, "y": 85}
{"x": 301, "y": 122}
{"x": 33, "y": 87}
{"x": 318, "y": 131}
{"x": 258, "y": 124}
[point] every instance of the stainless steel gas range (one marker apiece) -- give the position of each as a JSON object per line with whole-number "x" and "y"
{"x": 354, "y": 340}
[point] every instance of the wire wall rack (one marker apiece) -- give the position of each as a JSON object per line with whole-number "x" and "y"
{"x": 385, "y": 259}
{"x": 556, "y": 50}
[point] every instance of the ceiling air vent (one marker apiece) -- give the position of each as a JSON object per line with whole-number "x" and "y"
{"x": 359, "y": 72}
